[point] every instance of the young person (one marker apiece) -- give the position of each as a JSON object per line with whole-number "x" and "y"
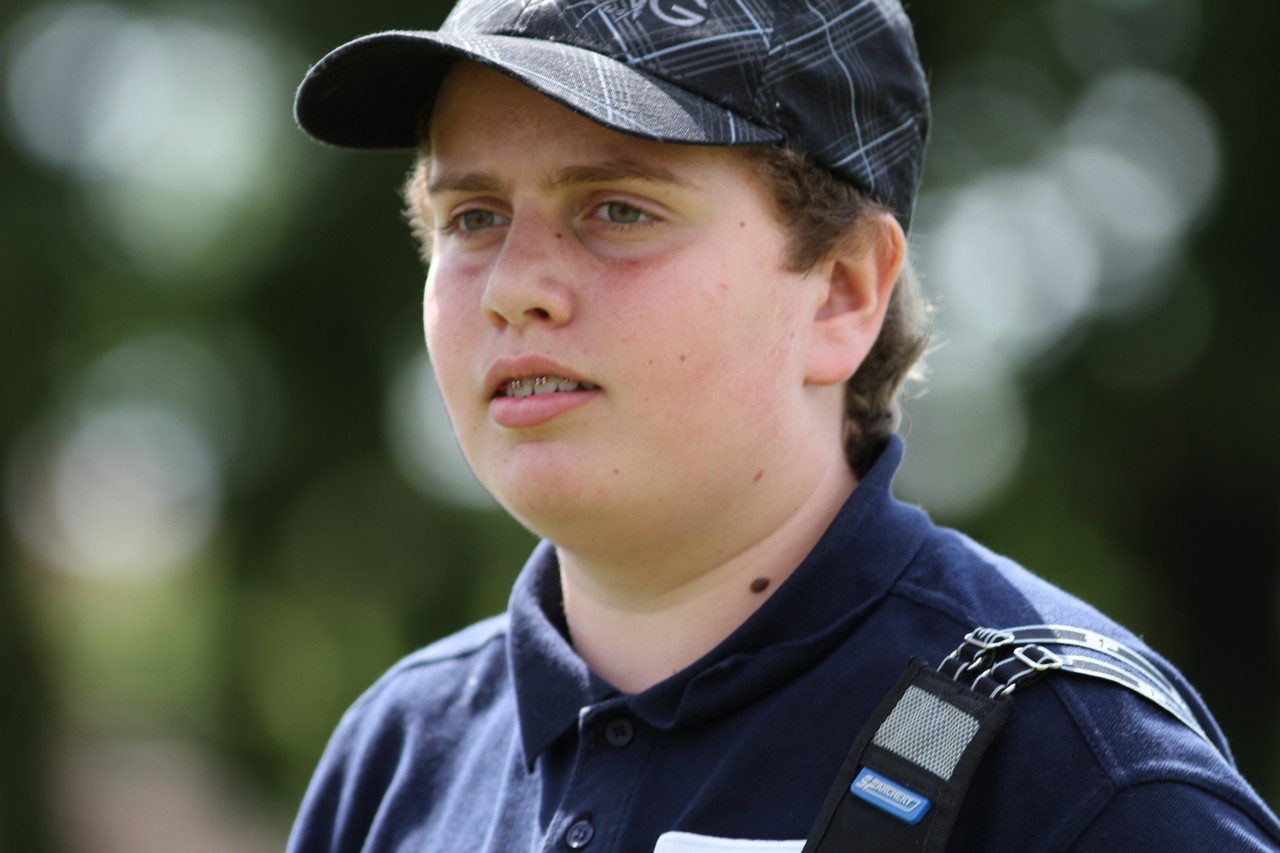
{"x": 669, "y": 309}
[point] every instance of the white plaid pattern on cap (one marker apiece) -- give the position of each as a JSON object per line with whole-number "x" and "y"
{"x": 839, "y": 81}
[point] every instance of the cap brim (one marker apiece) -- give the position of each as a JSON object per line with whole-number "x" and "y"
{"x": 371, "y": 93}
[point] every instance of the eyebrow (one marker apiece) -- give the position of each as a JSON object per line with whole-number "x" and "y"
{"x": 619, "y": 170}
{"x": 468, "y": 182}
{"x": 601, "y": 173}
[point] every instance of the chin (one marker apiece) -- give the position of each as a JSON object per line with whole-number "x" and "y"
{"x": 539, "y": 501}
{"x": 561, "y": 523}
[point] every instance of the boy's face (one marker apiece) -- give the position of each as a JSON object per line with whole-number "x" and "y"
{"x": 652, "y": 276}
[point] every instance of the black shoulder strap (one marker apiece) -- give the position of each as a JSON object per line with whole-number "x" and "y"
{"x": 904, "y": 780}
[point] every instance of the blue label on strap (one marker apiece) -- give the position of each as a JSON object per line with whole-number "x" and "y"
{"x": 888, "y": 796}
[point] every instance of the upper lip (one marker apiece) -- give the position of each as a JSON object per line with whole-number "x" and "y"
{"x": 528, "y": 366}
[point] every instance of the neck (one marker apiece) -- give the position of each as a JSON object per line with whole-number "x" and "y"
{"x": 638, "y": 623}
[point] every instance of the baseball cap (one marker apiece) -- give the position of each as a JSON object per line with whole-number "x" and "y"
{"x": 839, "y": 81}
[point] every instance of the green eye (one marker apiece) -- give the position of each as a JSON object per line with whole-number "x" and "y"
{"x": 621, "y": 213}
{"x": 476, "y": 220}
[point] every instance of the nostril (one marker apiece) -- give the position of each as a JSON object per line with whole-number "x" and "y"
{"x": 540, "y": 313}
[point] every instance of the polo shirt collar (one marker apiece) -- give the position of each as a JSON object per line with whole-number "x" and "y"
{"x": 852, "y": 567}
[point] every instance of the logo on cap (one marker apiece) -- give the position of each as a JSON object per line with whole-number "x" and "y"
{"x": 679, "y": 13}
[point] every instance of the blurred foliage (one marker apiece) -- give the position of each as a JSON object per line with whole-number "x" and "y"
{"x": 1159, "y": 501}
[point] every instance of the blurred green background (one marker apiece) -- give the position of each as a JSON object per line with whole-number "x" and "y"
{"x": 230, "y": 497}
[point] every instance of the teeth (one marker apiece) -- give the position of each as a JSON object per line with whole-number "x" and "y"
{"x": 519, "y": 388}
{"x": 543, "y": 385}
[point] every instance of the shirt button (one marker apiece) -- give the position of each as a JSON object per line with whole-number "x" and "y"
{"x": 619, "y": 732}
{"x": 580, "y": 834}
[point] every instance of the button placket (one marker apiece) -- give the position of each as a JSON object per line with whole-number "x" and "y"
{"x": 609, "y": 752}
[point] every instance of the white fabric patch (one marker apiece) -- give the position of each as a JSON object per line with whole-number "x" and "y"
{"x": 687, "y": 842}
{"x": 927, "y": 731}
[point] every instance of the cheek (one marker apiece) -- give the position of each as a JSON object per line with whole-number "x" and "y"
{"x": 725, "y": 352}
{"x": 446, "y": 335}
{"x": 432, "y": 329}
{"x": 450, "y": 305}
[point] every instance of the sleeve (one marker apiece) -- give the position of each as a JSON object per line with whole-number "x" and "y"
{"x": 1178, "y": 816}
{"x": 318, "y": 825}
{"x": 347, "y": 787}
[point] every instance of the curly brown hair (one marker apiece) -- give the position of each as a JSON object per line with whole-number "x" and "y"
{"x": 818, "y": 210}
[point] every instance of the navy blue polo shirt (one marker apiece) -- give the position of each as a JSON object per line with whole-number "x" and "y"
{"x": 500, "y": 738}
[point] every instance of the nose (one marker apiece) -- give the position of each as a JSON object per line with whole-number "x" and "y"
{"x": 529, "y": 281}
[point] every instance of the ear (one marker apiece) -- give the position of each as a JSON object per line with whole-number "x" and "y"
{"x": 858, "y": 278}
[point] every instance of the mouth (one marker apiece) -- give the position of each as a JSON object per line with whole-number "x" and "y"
{"x": 536, "y": 385}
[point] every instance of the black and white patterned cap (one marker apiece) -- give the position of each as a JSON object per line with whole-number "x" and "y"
{"x": 839, "y": 80}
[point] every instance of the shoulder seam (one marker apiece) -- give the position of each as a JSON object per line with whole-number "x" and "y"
{"x": 468, "y": 642}
{"x": 465, "y": 643}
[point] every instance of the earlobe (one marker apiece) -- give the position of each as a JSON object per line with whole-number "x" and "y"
{"x": 858, "y": 277}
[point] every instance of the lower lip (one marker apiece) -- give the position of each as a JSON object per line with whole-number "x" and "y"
{"x": 536, "y": 409}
